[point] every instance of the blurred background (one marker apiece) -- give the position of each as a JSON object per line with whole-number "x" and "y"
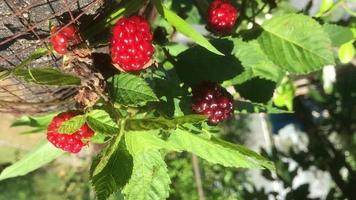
{"x": 314, "y": 147}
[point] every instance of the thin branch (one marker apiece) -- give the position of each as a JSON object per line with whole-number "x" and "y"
{"x": 197, "y": 176}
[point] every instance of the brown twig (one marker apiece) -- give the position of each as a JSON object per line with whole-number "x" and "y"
{"x": 197, "y": 176}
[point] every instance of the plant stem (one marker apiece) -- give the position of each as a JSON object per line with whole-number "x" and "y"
{"x": 197, "y": 176}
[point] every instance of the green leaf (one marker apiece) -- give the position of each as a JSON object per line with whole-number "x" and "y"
{"x": 324, "y": 7}
{"x": 114, "y": 176}
{"x": 72, "y": 125}
{"x": 288, "y": 41}
{"x": 249, "y": 107}
{"x": 185, "y": 28}
{"x": 100, "y": 121}
{"x": 38, "y": 53}
{"x": 142, "y": 141}
{"x": 46, "y": 76}
{"x": 263, "y": 94}
{"x": 339, "y": 35}
{"x": 130, "y": 90}
{"x": 162, "y": 123}
{"x": 218, "y": 152}
{"x": 284, "y": 94}
{"x": 256, "y": 61}
{"x": 109, "y": 150}
{"x": 198, "y": 64}
{"x": 346, "y": 52}
{"x": 34, "y": 121}
{"x": 44, "y": 153}
{"x": 150, "y": 179}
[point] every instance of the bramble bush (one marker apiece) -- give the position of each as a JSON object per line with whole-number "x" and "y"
{"x": 159, "y": 94}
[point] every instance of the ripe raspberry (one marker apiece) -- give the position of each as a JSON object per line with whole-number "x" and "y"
{"x": 65, "y": 38}
{"x": 68, "y": 142}
{"x": 222, "y": 16}
{"x": 131, "y": 44}
{"x": 212, "y": 100}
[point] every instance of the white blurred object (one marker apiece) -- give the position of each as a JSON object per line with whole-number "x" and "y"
{"x": 329, "y": 78}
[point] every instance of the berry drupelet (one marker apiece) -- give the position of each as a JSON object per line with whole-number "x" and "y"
{"x": 222, "y": 16}
{"x": 212, "y": 100}
{"x": 68, "y": 142}
{"x": 131, "y": 44}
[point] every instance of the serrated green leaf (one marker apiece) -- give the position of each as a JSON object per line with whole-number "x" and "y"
{"x": 46, "y": 76}
{"x": 162, "y": 123}
{"x": 256, "y": 61}
{"x": 249, "y": 107}
{"x": 150, "y": 179}
{"x": 109, "y": 150}
{"x": 130, "y": 90}
{"x": 72, "y": 125}
{"x": 44, "y": 153}
{"x": 185, "y": 28}
{"x": 114, "y": 176}
{"x": 100, "y": 121}
{"x": 338, "y": 34}
{"x": 289, "y": 43}
{"x": 218, "y": 152}
{"x": 346, "y": 52}
{"x": 142, "y": 141}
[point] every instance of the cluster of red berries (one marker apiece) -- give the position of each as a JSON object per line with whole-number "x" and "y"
{"x": 62, "y": 38}
{"x": 222, "y": 16}
{"x": 132, "y": 50}
{"x": 212, "y": 100}
{"x": 71, "y": 142}
{"x": 131, "y": 44}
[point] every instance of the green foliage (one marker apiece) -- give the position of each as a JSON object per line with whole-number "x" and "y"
{"x": 162, "y": 123}
{"x": 130, "y": 90}
{"x": 46, "y": 76}
{"x": 38, "y": 123}
{"x": 184, "y": 27}
{"x": 289, "y": 43}
{"x": 100, "y": 121}
{"x": 256, "y": 62}
{"x": 107, "y": 153}
{"x": 144, "y": 115}
{"x": 114, "y": 175}
{"x": 198, "y": 64}
{"x": 248, "y": 107}
{"x": 346, "y": 52}
{"x": 72, "y": 125}
{"x": 217, "y": 151}
{"x": 150, "y": 179}
{"x": 38, "y": 157}
{"x": 142, "y": 141}
{"x": 339, "y": 35}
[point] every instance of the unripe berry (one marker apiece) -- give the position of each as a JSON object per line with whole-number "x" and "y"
{"x": 66, "y": 37}
{"x": 131, "y": 44}
{"x": 212, "y": 100}
{"x": 72, "y": 142}
{"x": 222, "y": 16}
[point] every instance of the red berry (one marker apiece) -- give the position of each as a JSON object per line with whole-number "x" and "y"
{"x": 68, "y": 142}
{"x": 66, "y": 37}
{"x": 222, "y": 16}
{"x": 212, "y": 100}
{"x": 131, "y": 44}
